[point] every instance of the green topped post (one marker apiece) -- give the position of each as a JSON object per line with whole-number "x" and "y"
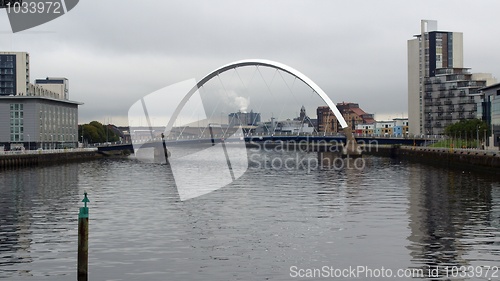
{"x": 83, "y": 240}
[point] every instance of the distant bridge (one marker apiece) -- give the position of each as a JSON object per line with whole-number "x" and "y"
{"x": 267, "y": 139}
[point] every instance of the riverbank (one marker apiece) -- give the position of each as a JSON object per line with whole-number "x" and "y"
{"x": 465, "y": 159}
{"x": 20, "y": 159}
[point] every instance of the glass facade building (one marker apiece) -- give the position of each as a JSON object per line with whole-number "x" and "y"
{"x": 489, "y": 111}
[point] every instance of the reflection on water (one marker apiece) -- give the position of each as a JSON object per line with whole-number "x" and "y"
{"x": 36, "y": 218}
{"x": 454, "y": 219}
{"x": 390, "y": 214}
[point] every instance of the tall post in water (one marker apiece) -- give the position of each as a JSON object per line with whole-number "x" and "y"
{"x": 165, "y": 151}
{"x": 83, "y": 240}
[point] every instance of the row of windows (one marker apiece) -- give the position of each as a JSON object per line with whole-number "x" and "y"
{"x": 16, "y": 106}
{"x": 57, "y": 123}
{"x": 6, "y": 84}
{"x": 7, "y": 91}
{"x": 6, "y": 64}
{"x": 7, "y": 58}
{"x": 16, "y": 122}
{"x": 7, "y": 71}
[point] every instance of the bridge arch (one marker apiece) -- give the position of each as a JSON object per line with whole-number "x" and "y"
{"x": 258, "y": 62}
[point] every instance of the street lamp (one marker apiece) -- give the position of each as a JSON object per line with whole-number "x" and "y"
{"x": 484, "y": 139}
{"x": 477, "y": 136}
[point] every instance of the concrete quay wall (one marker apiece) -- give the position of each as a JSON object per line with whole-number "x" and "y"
{"x": 27, "y": 160}
{"x": 468, "y": 159}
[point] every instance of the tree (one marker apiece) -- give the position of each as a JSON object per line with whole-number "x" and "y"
{"x": 95, "y": 132}
{"x": 467, "y": 129}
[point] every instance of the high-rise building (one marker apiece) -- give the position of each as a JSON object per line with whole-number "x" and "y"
{"x": 440, "y": 90}
{"x": 14, "y": 73}
{"x": 34, "y": 115}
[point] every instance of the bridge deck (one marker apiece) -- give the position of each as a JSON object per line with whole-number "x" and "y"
{"x": 288, "y": 138}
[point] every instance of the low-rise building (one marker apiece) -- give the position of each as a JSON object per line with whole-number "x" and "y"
{"x": 365, "y": 129}
{"x": 488, "y": 110}
{"x": 36, "y": 115}
{"x": 384, "y": 128}
{"x": 400, "y": 127}
{"x": 352, "y": 113}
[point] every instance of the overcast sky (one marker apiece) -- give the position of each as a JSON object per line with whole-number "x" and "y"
{"x": 115, "y": 51}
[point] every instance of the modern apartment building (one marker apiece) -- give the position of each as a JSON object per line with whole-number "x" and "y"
{"x": 34, "y": 115}
{"x": 440, "y": 90}
{"x": 14, "y": 73}
{"x": 450, "y": 96}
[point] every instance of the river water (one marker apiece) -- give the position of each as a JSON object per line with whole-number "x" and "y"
{"x": 273, "y": 223}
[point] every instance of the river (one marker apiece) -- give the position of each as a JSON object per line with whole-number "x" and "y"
{"x": 273, "y": 223}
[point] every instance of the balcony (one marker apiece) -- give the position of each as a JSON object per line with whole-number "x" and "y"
{"x": 448, "y": 102}
{"x": 436, "y": 103}
{"x": 442, "y": 88}
{"x": 442, "y": 95}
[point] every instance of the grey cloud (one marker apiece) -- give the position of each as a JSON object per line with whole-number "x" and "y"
{"x": 114, "y": 51}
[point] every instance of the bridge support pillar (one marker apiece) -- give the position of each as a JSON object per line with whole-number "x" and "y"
{"x": 351, "y": 147}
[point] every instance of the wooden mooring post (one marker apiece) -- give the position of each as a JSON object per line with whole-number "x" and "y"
{"x": 83, "y": 241}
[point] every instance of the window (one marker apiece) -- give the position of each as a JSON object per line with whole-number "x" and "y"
{"x": 16, "y": 122}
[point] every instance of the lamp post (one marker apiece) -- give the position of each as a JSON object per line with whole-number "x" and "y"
{"x": 51, "y": 141}
{"x": 477, "y": 136}
{"x": 484, "y": 139}
{"x": 29, "y": 142}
